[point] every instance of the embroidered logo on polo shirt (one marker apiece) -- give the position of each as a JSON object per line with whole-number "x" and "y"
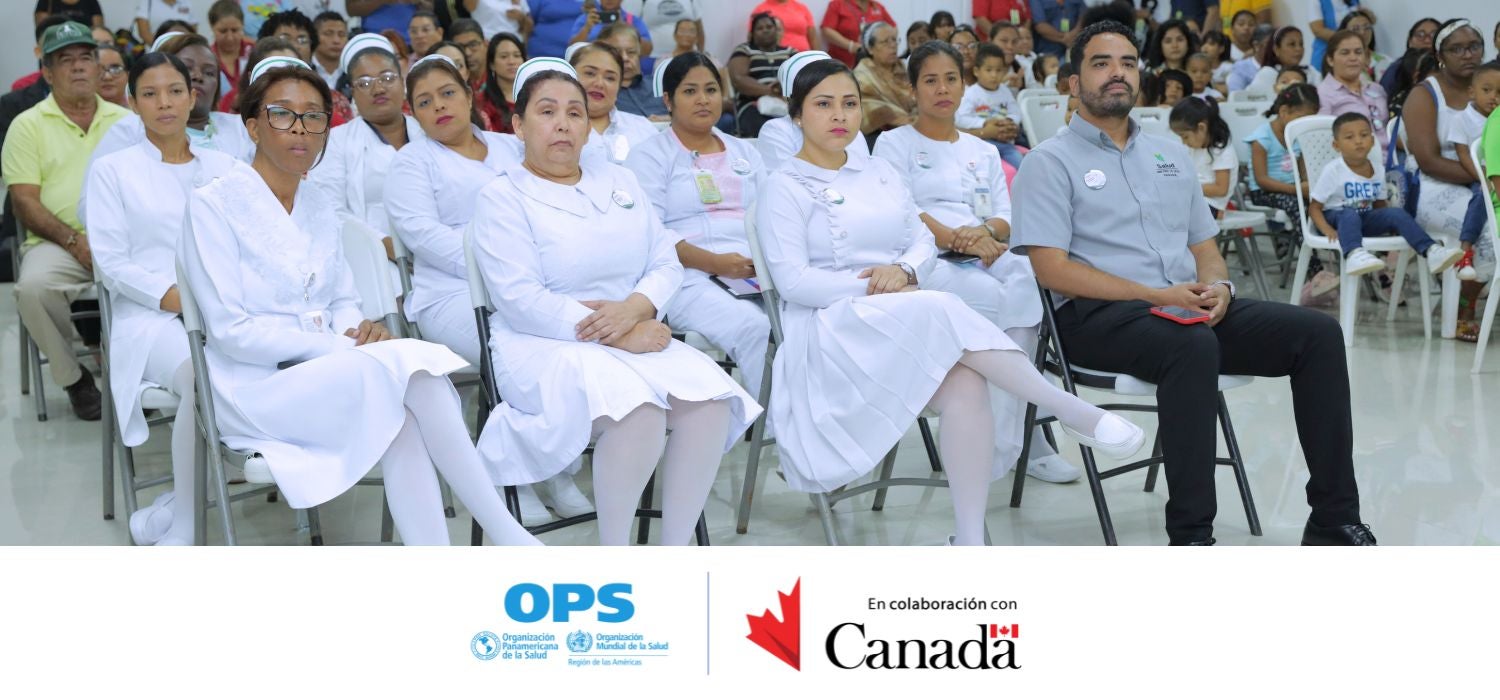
{"x": 1165, "y": 167}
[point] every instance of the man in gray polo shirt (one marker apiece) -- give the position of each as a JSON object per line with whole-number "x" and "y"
{"x": 1115, "y": 221}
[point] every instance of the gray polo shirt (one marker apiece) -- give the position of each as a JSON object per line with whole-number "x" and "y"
{"x": 1131, "y": 214}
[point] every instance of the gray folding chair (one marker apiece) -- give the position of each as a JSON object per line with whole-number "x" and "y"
{"x": 758, "y": 440}
{"x": 31, "y": 355}
{"x": 479, "y": 297}
{"x": 1050, "y": 356}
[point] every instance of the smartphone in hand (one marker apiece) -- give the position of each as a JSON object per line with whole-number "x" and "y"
{"x": 1178, "y": 314}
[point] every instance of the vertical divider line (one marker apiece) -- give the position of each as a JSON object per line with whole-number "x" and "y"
{"x": 708, "y": 621}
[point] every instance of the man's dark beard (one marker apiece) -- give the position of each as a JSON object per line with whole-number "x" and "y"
{"x": 1098, "y": 104}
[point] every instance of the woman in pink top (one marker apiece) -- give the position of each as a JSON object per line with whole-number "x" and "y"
{"x": 1346, "y": 87}
{"x": 843, "y": 22}
{"x": 799, "y": 31}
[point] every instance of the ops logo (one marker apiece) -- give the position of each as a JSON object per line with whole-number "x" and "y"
{"x": 531, "y": 602}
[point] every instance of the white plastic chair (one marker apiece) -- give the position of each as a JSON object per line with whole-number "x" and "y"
{"x": 1476, "y": 152}
{"x": 1035, "y": 92}
{"x": 1042, "y": 116}
{"x": 1153, "y": 120}
{"x": 1314, "y": 136}
{"x": 1250, "y": 96}
{"x": 823, "y": 501}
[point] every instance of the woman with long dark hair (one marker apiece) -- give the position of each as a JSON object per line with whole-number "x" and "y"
{"x": 496, "y": 101}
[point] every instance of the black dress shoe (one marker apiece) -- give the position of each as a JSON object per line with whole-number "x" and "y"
{"x": 1195, "y": 543}
{"x": 85, "y": 397}
{"x": 1352, "y": 535}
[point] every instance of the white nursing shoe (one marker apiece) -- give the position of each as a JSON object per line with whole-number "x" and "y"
{"x": 1114, "y": 437}
{"x": 562, "y": 495}
{"x": 148, "y": 525}
{"x": 532, "y": 510}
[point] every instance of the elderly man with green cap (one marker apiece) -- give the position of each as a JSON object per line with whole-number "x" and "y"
{"x": 45, "y": 156}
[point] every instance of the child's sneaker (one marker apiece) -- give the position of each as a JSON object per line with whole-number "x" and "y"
{"x": 1441, "y": 257}
{"x": 1360, "y": 262}
{"x": 1465, "y": 267}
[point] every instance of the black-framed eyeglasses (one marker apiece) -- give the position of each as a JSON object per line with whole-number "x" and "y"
{"x": 282, "y": 119}
{"x": 471, "y": 45}
{"x": 1475, "y": 48}
{"x": 385, "y": 79}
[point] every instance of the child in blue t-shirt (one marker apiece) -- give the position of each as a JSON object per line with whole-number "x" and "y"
{"x": 1349, "y": 203}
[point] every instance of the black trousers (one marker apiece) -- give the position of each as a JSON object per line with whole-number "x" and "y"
{"x": 1259, "y": 338}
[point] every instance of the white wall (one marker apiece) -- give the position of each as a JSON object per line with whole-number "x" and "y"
{"x": 727, "y": 25}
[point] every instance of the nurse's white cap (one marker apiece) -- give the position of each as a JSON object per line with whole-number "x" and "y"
{"x": 360, "y": 42}
{"x": 787, "y": 73}
{"x": 572, "y": 49}
{"x": 658, "y": 76}
{"x": 163, "y": 39}
{"x": 539, "y": 64}
{"x": 430, "y": 58}
{"x": 276, "y": 62}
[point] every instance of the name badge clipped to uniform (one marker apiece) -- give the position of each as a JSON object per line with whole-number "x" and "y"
{"x": 312, "y": 322}
{"x": 984, "y": 207}
{"x": 924, "y": 161}
{"x": 740, "y": 166}
{"x": 1015, "y": 16}
{"x": 708, "y": 190}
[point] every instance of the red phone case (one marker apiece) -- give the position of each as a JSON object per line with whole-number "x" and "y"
{"x": 1157, "y": 311}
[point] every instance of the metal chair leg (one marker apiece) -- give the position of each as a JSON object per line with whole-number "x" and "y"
{"x": 1153, "y": 469}
{"x": 110, "y": 435}
{"x": 700, "y": 533}
{"x": 476, "y": 534}
{"x": 887, "y": 465}
{"x": 1241, "y": 479}
{"x": 387, "y": 523}
{"x": 933, "y": 457}
{"x": 643, "y": 523}
{"x": 448, "y": 511}
{"x": 40, "y": 393}
{"x": 757, "y": 446}
{"x": 200, "y": 490}
{"x": 314, "y": 527}
{"x": 1018, "y": 485}
{"x": 825, "y": 515}
{"x": 1096, "y": 488}
{"x": 24, "y": 356}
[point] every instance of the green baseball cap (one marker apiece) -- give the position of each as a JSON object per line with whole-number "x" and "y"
{"x": 64, "y": 35}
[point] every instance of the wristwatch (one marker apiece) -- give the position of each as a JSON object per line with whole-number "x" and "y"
{"x": 911, "y": 275}
{"x": 1228, "y": 284}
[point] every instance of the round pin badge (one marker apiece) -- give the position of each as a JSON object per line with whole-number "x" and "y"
{"x": 623, "y": 199}
{"x": 924, "y": 161}
{"x": 1094, "y": 179}
{"x": 832, "y": 196}
{"x": 740, "y": 166}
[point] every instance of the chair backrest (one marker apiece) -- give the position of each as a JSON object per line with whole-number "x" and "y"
{"x": 1313, "y": 137}
{"x": 366, "y": 259}
{"x": 1153, "y": 120}
{"x": 479, "y": 297}
{"x": 1042, "y": 116}
{"x": 1251, "y": 96}
{"x": 1243, "y": 119}
{"x": 1476, "y": 152}
{"x": 770, "y": 299}
{"x": 1035, "y": 92}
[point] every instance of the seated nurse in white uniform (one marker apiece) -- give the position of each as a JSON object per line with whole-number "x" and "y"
{"x": 429, "y": 196}
{"x": 353, "y": 171}
{"x": 781, "y": 138}
{"x": 137, "y": 198}
{"x": 612, "y": 133}
{"x": 867, "y": 346}
{"x": 700, "y": 180}
{"x": 579, "y": 267}
{"x": 206, "y": 129}
{"x": 959, "y": 188}
{"x": 291, "y": 358}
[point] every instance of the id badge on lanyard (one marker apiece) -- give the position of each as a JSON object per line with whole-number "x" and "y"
{"x": 984, "y": 206}
{"x": 708, "y": 190}
{"x": 313, "y": 322}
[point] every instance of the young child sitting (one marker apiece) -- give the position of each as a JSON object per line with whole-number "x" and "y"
{"x": 1197, "y": 122}
{"x": 1271, "y": 159}
{"x": 1349, "y": 203}
{"x": 1201, "y": 69}
{"x": 1064, "y": 72}
{"x": 1216, "y": 47}
{"x": 1043, "y": 69}
{"x": 1484, "y": 93}
{"x": 1175, "y": 85}
{"x": 1289, "y": 76}
{"x": 988, "y": 109}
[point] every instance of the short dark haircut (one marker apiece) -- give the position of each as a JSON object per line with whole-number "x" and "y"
{"x": 1065, "y": 70}
{"x": 942, "y": 18}
{"x": 464, "y": 26}
{"x": 928, "y": 51}
{"x": 178, "y": 44}
{"x": 448, "y": 44}
{"x": 424, "y": 14}
{"x": 151, "y": 60}
{"x": 1347, "y": 118}
{"x": 1299, "y": 70}
{"x": 1236, "y": 17}
{"x": 756, "y": 19}
{"x": 1491, "y": 67}
{"x": 810, "y": 77}
{"x": 1154, "y": 54}
{"x": 988, "y": 50}
{"x": 1176, "y": 76}
{"x": 523, "y": 98}
{"x": 225, "y": 8}
{"x": 290, "y": 18}
{"x": 1122, "y": 11}
{"x": 1075, "y": 52}
{"x": 174, "y": 25}
{"x": 599, "y": 45}
{"x": 678, "y": 68}
{"x": 329, "y": 16}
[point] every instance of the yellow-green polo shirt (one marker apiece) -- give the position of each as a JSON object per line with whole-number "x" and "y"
{"x": 45, "y": 148}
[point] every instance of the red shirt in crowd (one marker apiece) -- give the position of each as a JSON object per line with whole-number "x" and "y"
{"x": 845, "y": 17}
{"x": 1013, "y": 11}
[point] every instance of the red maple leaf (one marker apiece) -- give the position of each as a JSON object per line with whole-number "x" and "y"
{"x": 782, "y": 638}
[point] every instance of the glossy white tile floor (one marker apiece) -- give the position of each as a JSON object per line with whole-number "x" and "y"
{"x": 1423, "y": 451}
